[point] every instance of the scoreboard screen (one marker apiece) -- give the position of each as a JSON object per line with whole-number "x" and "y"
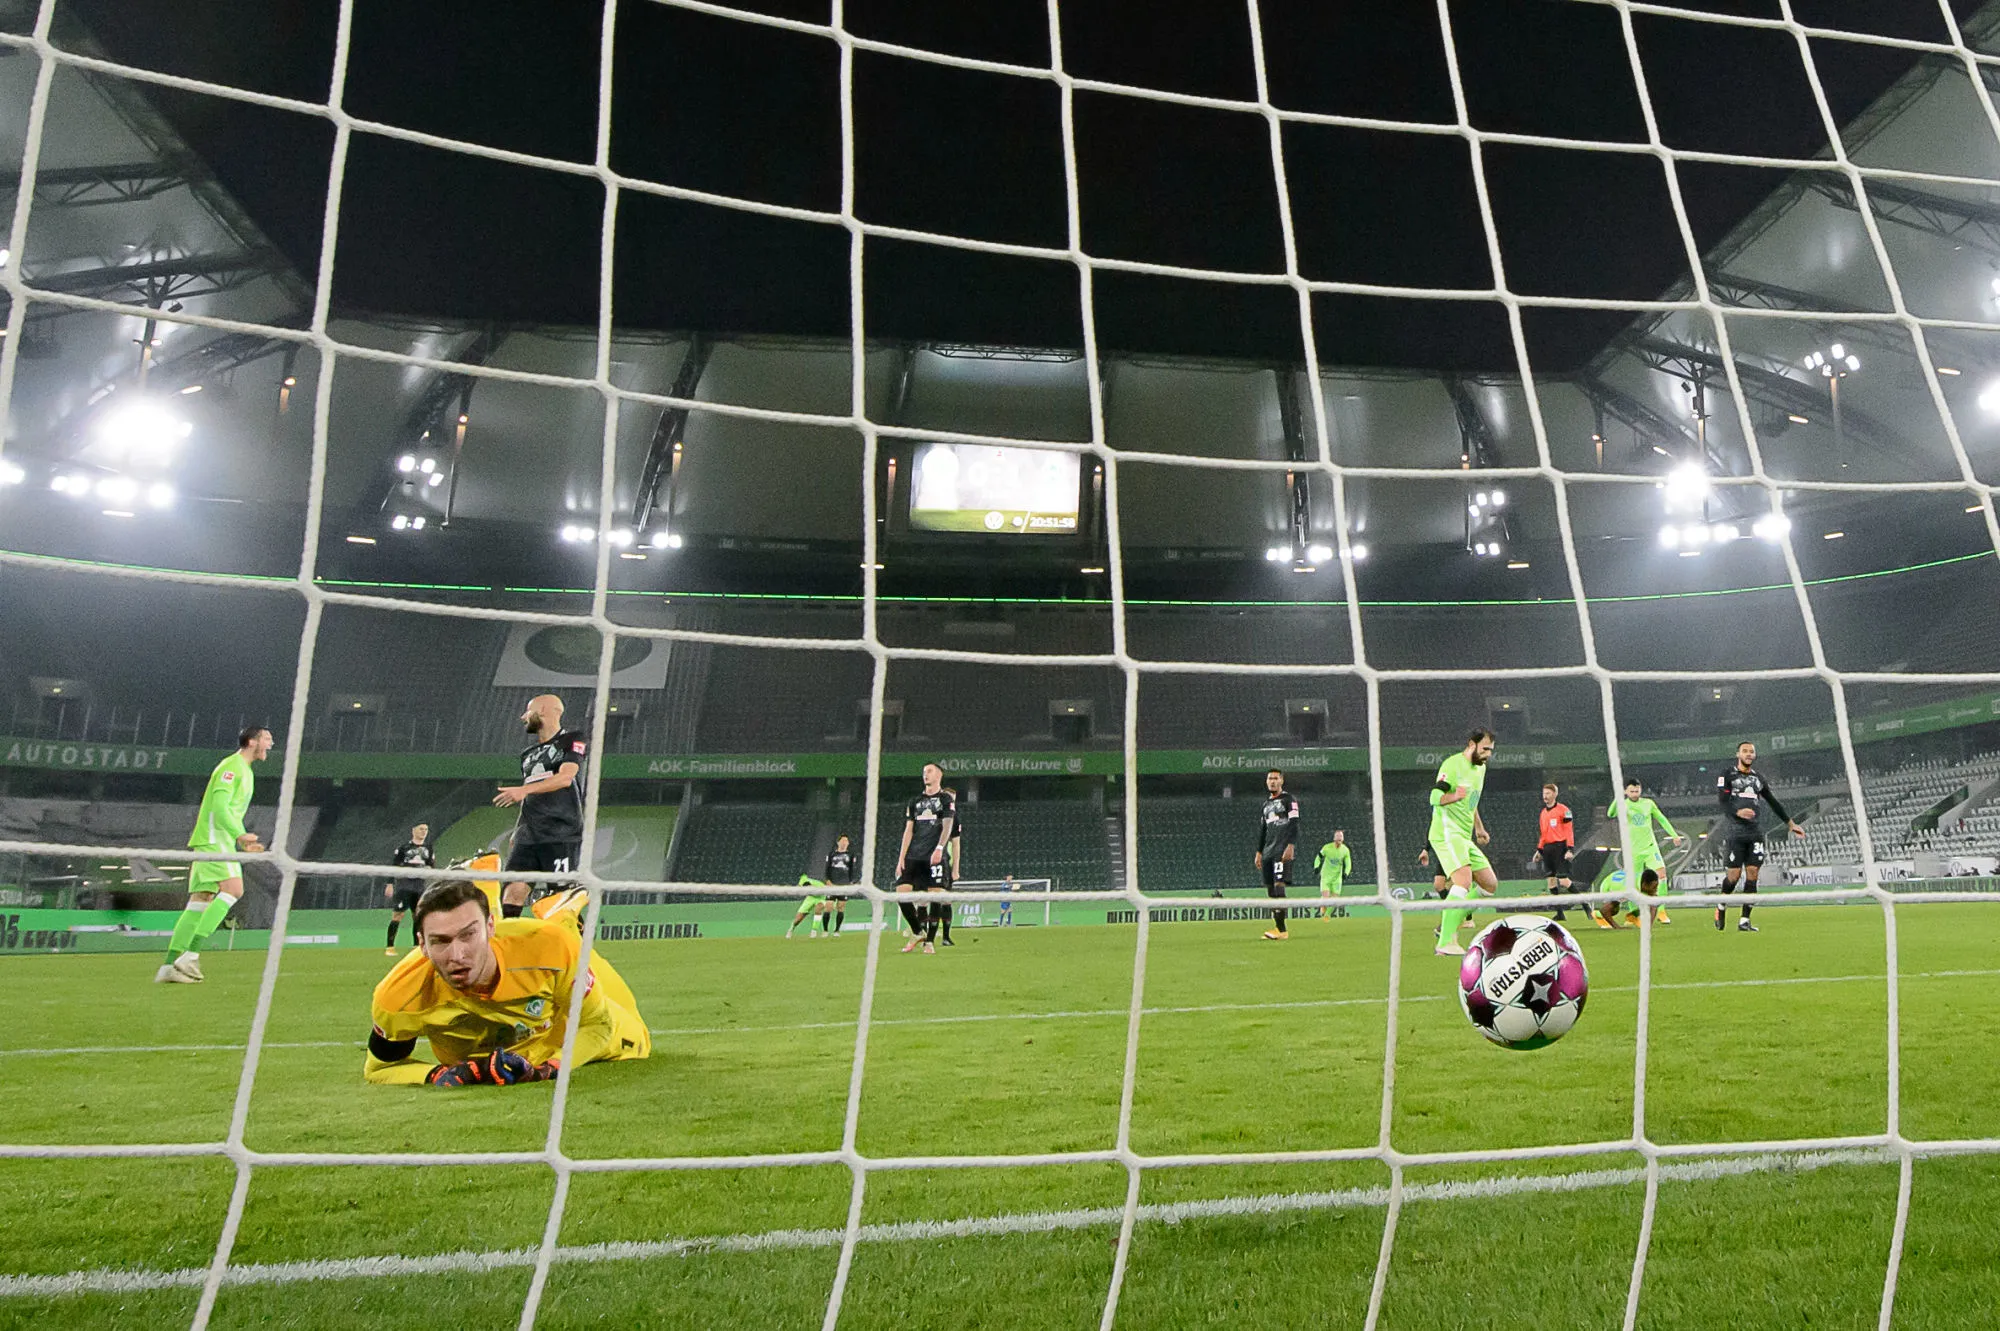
{"x": 1000, "y": 491}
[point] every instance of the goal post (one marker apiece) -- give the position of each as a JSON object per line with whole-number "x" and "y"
{"x": 1002, "y": 911}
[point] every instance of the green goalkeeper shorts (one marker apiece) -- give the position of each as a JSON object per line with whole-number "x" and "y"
{"x": 209, "y": 875}
{"x": 811, "y": 903}
{"x": 1458, "y": 851}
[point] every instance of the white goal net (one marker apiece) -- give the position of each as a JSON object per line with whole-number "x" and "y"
{"x": 1765, "y": 495}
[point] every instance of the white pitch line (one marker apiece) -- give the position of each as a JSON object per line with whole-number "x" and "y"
{"x": 177, "y": 1048}
{"x": 129, "y": 1281}
{"x": 1064, "y": 1015}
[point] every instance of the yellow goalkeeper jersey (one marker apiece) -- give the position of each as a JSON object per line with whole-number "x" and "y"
{"x": 525, "y": 1013}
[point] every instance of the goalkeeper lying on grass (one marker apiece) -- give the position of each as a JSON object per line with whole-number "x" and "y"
{"x": 493, "y": 999}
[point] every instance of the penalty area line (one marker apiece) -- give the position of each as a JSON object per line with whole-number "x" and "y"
{"x": 131, "y": 1281}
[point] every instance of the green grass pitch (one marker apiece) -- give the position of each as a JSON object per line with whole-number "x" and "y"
{"x": 1014, "y": 1042}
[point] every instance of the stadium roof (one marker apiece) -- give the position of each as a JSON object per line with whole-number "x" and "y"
{"x": 153, "y": 195}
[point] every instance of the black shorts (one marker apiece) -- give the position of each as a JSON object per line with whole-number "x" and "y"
{"x": 1744, "y": 852}
{"x": 925, "y": 876}
{"x": 544, "y": 857}
{"x": 407, "y": 890}
{"x": 1277, "y": 874}
{"x": 1555, "y": 860}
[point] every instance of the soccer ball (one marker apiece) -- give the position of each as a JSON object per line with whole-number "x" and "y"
{"x": 1522, "y": 982}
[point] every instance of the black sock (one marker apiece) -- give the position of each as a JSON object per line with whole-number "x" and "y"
{"x": 839, "y": 919}
{"x": 1748, "y": 886}
{"x": 945, "y": 913}
{"x": 910, "y": 917}
{"x": 931, "y": 920}
{"x": 394, "y": 924}
{"x": 510, "y": 910}
{"x": 1278, "y": 920}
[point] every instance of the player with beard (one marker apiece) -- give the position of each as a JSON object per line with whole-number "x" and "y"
{"x": 1457, "y": 833}
{"x": 549, "y": 836}
{"x": 921, "y": 866}
{"x": 1739, "y": 789}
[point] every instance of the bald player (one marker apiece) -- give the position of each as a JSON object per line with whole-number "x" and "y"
{"x": 493, "y": 997}
{"x": 549, "y": 836}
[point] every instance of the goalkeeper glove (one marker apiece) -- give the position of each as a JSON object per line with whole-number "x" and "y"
{"x": 504, "y": 1068}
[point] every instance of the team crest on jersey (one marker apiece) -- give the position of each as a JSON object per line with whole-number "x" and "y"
{"x": 537, "y": 1006}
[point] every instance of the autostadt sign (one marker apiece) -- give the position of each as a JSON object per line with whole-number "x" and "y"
{"x": 91, "y": 757}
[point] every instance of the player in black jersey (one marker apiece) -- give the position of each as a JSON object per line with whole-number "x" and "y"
{"x": 842, "y": 866}
{"x": 1277, "y": 845}
{"x": 402, "y": 893}
{"x": 1739, "y": 789}
{"x": 1428, "y": 858}
{"x": 549, "y": 836}
{"x": 954, "y": 864}
{"x": 927, "y": 824}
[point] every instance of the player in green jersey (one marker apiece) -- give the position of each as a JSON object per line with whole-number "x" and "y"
{"x": 1639, "y": 815}
{"x": 1334, "y": 862}
{"x": 215, "y": 885}
{"x": 1457, "y": 834}
{"x": 812, "y": 906}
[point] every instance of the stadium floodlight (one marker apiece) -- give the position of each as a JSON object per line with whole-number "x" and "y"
{"x": 1946, "y": 369}
{"x": 406, "y": 463}
{"x": 5, "y": 256}
{"x": 1499, "y": 499}
{"x": 1278, "y": 553}
{"x": 417, "y": 523}
{"x": 437, "y": 478}
{"x": 400, "y": 522}
{"x": 143, "y": 431}
{"x": 1670, "y": 536}
{"x": 69, "y": 483}
{"x": 1479, "y": 500}
{"x": 1989, "y": 397}
{"x": 620, "y": 536}
{"x": 1725, "y": 532}
{"x": 427, "y": 466}
{"x": 160, "y": 495}
{"x": 118, "y": 489}
{"x": 192, "y": 389}
{"x": 1771, "y": 527}
{"x": 1319, "y": 554}
{"x": 361, "y": 540}
{"x": 1357, "y": 552}
{"x": 11, "y": 473}
{"x": 1695, "y": 533}
{"x": 1687, "y": 485}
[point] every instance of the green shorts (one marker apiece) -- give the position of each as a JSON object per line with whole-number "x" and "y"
{"x": 1332, "y": 885}
{"x": 208, "y": 875}
{"x": 811, "y": 903}
{"x": 1649, "y": 859}
{"x": 1458, "y": 851}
